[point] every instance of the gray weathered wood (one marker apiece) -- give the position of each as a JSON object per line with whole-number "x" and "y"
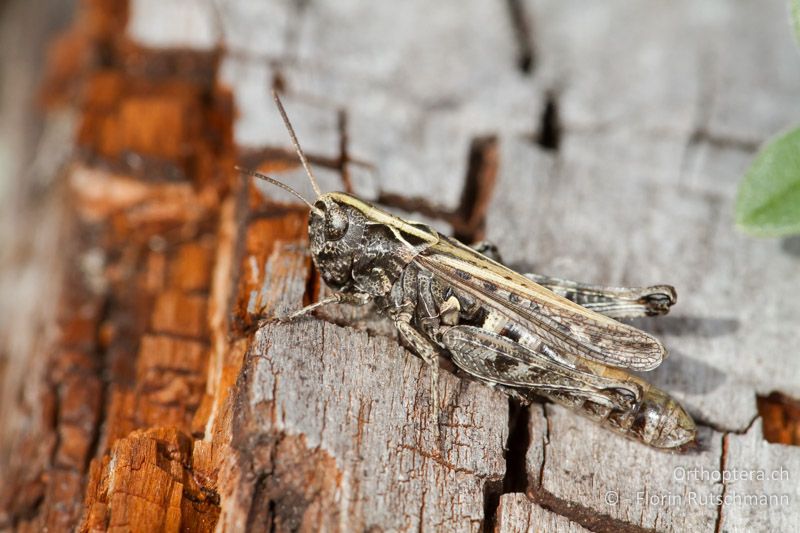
{"x": 655, "y": 183}
{"x": 764, "y": 491}
{"x": 623, "y": 480}
{"x": 365, "y": 403}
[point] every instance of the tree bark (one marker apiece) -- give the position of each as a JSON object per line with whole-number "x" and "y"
{"x": 595, "y": 142}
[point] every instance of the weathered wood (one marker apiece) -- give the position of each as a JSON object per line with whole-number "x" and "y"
{"x": 355, "y": 412}
{"x": 626, "y": 484}
{"x": 764, "y": 490}
{"x": 600, "y": 142}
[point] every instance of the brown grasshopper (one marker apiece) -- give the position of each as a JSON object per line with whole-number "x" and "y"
{"x": 529, "y": 335}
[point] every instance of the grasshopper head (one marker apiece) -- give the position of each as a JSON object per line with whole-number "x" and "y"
{"x": 337, "y": 222}
{"x": 335, "y": 231}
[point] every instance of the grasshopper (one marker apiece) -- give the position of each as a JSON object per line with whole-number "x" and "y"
{"x": 529, "y": 335}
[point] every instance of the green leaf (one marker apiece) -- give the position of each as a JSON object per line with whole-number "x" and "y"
{"x": 795, "y": 10}
{"x": 768, "y": 204}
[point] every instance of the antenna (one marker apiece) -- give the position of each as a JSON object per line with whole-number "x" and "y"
{"x": 282, "y": 186}
{"x": 296, "y": 144}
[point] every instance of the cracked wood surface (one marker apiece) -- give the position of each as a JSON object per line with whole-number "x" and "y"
{"x": 599, "y": 142}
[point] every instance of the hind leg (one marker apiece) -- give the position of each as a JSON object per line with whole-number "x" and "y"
{"x": 614, "y": 302}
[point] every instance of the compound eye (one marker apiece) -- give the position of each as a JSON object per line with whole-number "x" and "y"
{"x": 336, "y": 223}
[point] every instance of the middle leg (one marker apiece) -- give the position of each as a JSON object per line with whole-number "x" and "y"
{"x": 426, "y": 350}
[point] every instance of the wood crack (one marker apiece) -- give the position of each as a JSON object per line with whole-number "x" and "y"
{"x": 700, "y": 422}
{"x": 523, "y": 36}
{"x": 717, "y": 140}
{"x": 549, "y": 134}
{"x": 469, "y": 218}
{"x": 584, "y": 516}
{"x": 545, "y": 443}
{"x": 515, "y": 478}
{"x": 519, "y": 441}
{"x": 344, "y": 151}
{"x": 723, "y": 462}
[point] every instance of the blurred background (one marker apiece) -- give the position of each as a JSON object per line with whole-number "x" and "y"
{"x": 27, "y": 30}
{"x": 32, "y": 147}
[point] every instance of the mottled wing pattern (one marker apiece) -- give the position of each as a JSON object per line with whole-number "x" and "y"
{"x": 565, "y": 326}
{"x": 494, "y": 358}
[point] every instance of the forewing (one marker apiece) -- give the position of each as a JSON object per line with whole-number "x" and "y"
{"x": 565, "y": 326}
{"x": 497, "y": 359}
